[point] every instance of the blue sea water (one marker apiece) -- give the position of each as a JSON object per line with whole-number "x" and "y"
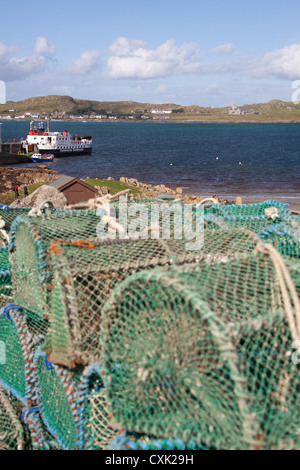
{"x": 198, "y": 157}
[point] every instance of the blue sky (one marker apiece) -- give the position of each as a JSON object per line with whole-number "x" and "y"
{"x": 212, "y": 53}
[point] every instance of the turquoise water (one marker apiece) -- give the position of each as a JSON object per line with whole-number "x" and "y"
{"x": 201, "y": 158}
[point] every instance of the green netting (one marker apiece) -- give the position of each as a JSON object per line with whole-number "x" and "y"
{"x": 12, "y": 371}
{"x": 9, "y": 214}
{"x": 248, "y": 210}
{"x": 12, "y": 434}
{"x": 134, "y": 441}
{"x": 83, "y": 278}
{"x": 204, "y": 352}
{"x": 5, "y": 277}
{"x": 285, "y": 239}
{"x": 30, "y": 240}
{"x": 57, "y": 397}
{"x": 96, "y": 427}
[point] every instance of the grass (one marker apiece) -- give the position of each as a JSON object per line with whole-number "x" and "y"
{"x": 9, "y": 197}
{"x": 113, "y": 186}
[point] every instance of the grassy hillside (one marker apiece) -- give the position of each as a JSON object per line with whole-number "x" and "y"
{"x": 274, "y": 111}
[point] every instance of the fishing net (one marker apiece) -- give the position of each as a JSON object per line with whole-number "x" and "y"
{"x": 204, "y": 352}
{"x": 16, "y": 368}
{"x": 96, "y": 427}
{"x": 134, "y": 441}
{"x": 249, "y": 210}
{"x": 9, "y": 214}
{"x": 5, "y": 277}
{"x": 12, "y": 433}
{"x": 85, "y": 274}
{"x": 30, "y": 240}
{"x": 285, "y": 239}
{"x": 39, "y": 437}
{"x": 57, "y": 395}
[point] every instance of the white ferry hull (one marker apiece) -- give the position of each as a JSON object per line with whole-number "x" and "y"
{"x": 67, "y": 153}
{"x": 59, "y": 144}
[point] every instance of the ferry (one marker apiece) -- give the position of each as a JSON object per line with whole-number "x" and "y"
{"x": 59, "y": 144}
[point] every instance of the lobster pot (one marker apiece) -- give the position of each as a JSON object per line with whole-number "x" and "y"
{"x": 9, "y": 214}
{"x": 57, "y": 398}
{"x": 286, "y": 239}
{"x": 12, "y": 432}
{"x": 17, "y": 347}
{"x": 248, "y": 210}
{"x": 5, "y": 277}
{"x": 96, "y": 427}
{"x": 133, "y": 441}
{"x": 85, "y": 275}
{"x": 203, "y": 352}
{"x": 30, "y": 240}
{"x": 249, "y": 216}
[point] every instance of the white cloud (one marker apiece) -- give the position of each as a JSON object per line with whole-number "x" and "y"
{"x": 224, "y": 49}
{"x": 44, "y": 47}
{"x": 17, "y": 68}
{"x": 134, "y": 59}
{"x": 87, "y": 62}
{"x": 5, "y": 51}
{"x": 283, "y": 63}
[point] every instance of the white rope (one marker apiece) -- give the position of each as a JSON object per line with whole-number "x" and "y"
{"x": 97, "y": 202}
{"x": 286, "y": 286}
{"x": 3, "y": 233}
{"x": 208, "y": 199}
{"x": 39, "y": 210}
{"x": 272, "y": 213}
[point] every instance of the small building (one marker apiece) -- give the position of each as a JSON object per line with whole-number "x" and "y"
{"x": 234, "y": 110}
{"x": 74, "y": 189}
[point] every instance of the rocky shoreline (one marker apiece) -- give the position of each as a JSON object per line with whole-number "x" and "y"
{"x": 10, "y": 176}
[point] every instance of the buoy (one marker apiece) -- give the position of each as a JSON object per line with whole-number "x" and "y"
{"x": 239, "y": 200}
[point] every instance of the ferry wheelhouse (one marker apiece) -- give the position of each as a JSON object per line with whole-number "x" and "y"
{"x": 56, "y": 143}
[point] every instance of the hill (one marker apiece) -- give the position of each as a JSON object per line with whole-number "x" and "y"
{"x": 66, "y": 107}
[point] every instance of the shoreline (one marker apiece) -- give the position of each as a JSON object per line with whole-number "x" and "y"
{"x": 164, "y": 121}
{"x": 44, "y": 175}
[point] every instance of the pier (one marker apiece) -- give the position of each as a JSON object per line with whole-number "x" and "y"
{"x": 10, "y": 147}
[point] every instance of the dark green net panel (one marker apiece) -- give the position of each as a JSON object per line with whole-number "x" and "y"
{"x": 12, "y": 371}
{"x": 204, "y": 352}
{"x": 84, "y": 277}
{"x": 12, "y": 432}
{"x": 97, "y": 429}
{"x": 5, "y": 277}
{"x": 57, "y": 396}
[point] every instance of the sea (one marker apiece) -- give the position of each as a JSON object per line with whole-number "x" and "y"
{"x": 247, "y": 160}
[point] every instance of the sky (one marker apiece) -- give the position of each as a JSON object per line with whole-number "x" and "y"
{"x": 188, "y": 52}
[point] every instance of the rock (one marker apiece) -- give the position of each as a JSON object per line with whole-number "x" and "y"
{"x": 132, "y": 182}
{"x": 178, "y": 190}
{"x": 43, "y": 193}
{"x": 110, "y": 178}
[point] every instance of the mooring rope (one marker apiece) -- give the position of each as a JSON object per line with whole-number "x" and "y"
{"x": 287, "y": 287}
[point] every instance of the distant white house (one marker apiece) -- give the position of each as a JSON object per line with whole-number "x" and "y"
{"x": 161, "y": 111}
